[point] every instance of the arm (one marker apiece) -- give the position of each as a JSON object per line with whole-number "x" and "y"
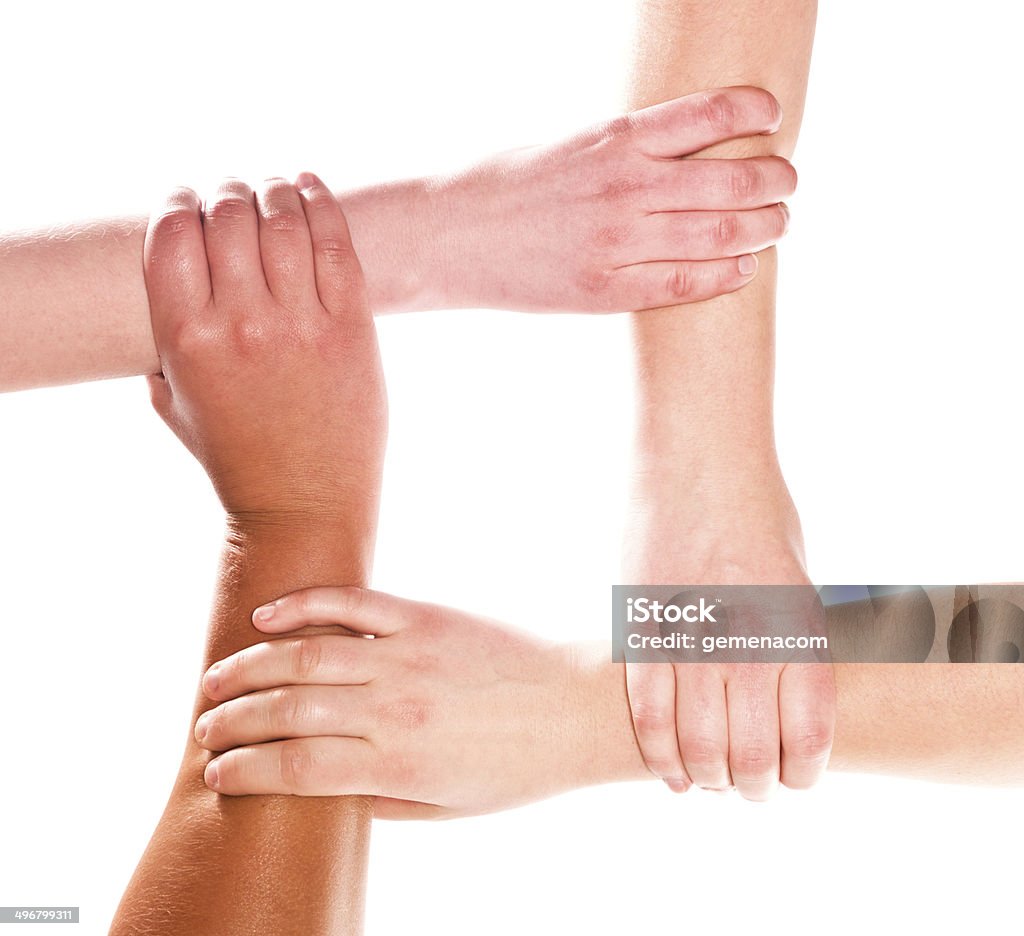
{"x": 709, "y": 503}
{"x": 271, "y": 377}
{"x": 572, "y": 224}
{"x": 472, "y": 716}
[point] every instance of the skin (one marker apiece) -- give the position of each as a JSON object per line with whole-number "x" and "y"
{"x": 445, "y": 714}
{"x": 709, "y": 504}
{"x": 271, "y": 378}
{"x": 607, "y": 220}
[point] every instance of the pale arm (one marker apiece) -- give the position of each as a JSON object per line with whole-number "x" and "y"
{"x": 708, "y": 502}
{"x": 598, "y": 222}
{"x": 74, "y": 306}
{"x": 466, "y": 715}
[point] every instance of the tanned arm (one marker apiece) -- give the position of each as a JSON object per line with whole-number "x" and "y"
{"x": 271, "y": 377}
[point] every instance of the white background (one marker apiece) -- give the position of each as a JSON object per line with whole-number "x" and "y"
{"x": 898, "y": 392}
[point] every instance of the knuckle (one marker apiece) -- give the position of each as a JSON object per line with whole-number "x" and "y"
{"x": 746, "y": 181}
{"x": 296, "y": 766}
{"x": 174, "y": 221}
{"x": 240, "y": 667}
{"x": 190, "y": 340}
{"x": 725, "y": 232}
{"x": 317, "y": 194}
{"x": 283, "y": 221}
{"x": 612, "y": 235}
{"x": 651, "y": 718}
{"x": 284, "y": 709}
{"x": 351, "y": 599}
{"x": 335, "y": 250}
{"x": 621, "y": 186}
{"x": 753, "y": 761}
{"x": 705, "y": 751}
{"x": 662, "y": 766}
{"x": 301, "y": 604}
{"x": 251, "y": 333}
{"x": 433, "y": 618}
{"x": 680, "y": 282}
{"x": 307, "y": 656}
{"x": 276, "y": 186}
{"x": 592, "y": 283}
{"x": 405, "y": 713}
{"x": 810, "y": 741}
{"x": 718, "y": 111}
{"x": 229, "y": 208}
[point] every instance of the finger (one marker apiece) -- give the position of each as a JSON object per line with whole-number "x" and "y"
{"x": 174, "y": 262}
{"x": 721, "y": 184}
{"x": 709, "y": 235}
{"x": 233, "y": 244}
{"x": 320, "y": 660}
{"x": 288, "y": 712}
{"x": 652, "y": 700}
{"x": 703, "y": 725}
{"x": 696, "y": 121}
{"x": 359, "y": 609}
{"x": 338, "y": 274}
{"x": 301, "y": 767}
{"x": 807, "y": 713}
{"x": 285, "y": 246}
{"x": 669, "y": 283}
{"x": 752, "y": 697}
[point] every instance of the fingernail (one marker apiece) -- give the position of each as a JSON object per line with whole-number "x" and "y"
{"x": 747, "y": 264}
{"x": 676, "y": 785}
{"x": 212, "y": 678}
{"x": 212, "y": 775}
{"x": 265, "y": 612}
{"x": 305, "y": 180}
{"x": 785, "y": 211}
{"x": 202, "y": 726}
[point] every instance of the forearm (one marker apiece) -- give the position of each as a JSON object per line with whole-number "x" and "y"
{"x": 705, "y": 372}
{"x": 239, "y": 866}
{"x": 73, "y": 303}
{"x": 939, "y": 722}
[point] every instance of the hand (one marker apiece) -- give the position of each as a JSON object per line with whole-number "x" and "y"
{"x": 441, "y": 714}
{"x": 612, "y": 219}
{"x": 746, "y": 726}
{"x": 271, "y": 374}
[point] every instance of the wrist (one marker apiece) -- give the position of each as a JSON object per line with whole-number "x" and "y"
{"x": 401, "y": 233}
{"x": 724, "y": 529}
{"x": 318, "y": 546}
{"x": 599, "y": 718}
